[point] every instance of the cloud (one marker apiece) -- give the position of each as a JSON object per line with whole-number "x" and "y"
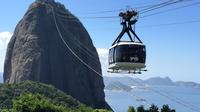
{"x": 103, "y": 56}
{"x": 4, "y": 39}
{"x": 102, "y": 51}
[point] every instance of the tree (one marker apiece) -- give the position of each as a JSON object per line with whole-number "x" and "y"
{"x": 140, "y": 109}
{"x": 165, "y": 108}
{"x": 28, "y": 102}
{"x": 173, "y": 110}
{"x": 131, "y": 109}
{"x": 153, "y": 108}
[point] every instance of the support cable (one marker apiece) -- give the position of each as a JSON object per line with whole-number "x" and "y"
{"x": 161, "y": 5}
{"x": 150, "y": 8}
{"x": 61, "y": 37}
{"x": 166, "y": 96}
{"x": 172, "y": 9}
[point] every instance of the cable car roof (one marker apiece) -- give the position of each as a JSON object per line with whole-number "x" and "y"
{"x": 127, "y": 43}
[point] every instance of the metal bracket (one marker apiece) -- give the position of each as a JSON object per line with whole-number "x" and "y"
{"x": 127, "y": 22}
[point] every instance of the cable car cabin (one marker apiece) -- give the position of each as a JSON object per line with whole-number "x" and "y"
{"x": 127, "y": 56}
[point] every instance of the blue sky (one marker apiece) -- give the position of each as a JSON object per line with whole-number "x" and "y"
{"x": 172, "y": 50}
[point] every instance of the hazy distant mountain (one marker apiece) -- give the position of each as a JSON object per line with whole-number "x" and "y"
{"x": 1, "y": 77}
{"x": 188, "y": 84}
{"x": 123, "y": 82}
{"x": 118, "y": 86}
{"x": 159, "y": 81}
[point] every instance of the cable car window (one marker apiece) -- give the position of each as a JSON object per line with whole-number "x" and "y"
{"x": 137, "y": 53}
{"x": 122, "y": 53}
{"x": 111, "y": 54}
{"x": 133, "y": 53}
{"x": 142, "y": 54}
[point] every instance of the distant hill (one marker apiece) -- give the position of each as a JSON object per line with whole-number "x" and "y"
{"x": 159, "y": 81}
{"x": 123, "y": 80}
{"x": 9, "y": 92}
{"x": 188, "y": 84}
{"x": 118, "y": 86}
{"x": 129, "y": 82}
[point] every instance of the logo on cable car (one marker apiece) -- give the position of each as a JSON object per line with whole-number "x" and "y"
{"x": 134, "y": 59}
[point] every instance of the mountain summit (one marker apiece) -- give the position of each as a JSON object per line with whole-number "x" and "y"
{"x": 45, "y": 47}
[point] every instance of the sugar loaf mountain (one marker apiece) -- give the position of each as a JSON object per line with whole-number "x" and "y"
{"x": 38, "y": 52}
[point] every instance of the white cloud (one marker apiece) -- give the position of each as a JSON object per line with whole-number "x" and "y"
{"x": 4, "y": 39}
{"x": 102, "y": 52}
{"x": 103, "y": 56}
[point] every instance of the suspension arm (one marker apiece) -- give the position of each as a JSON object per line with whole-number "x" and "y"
{"x": 135, "y": 35}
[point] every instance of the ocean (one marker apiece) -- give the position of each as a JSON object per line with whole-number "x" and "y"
{"x": 180, "y": 98}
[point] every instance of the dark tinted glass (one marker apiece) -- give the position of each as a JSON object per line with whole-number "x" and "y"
{"x": 111, "y": 56}
{"x": 131, "y": 53}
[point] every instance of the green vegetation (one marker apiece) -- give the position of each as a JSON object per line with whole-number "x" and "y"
{"x": 131, "y": 109}
{"x": 30, "y": 96}
{"x": 140, "y": 109}
{"x": 152, "y": 108}
{"x": 28, "y": 102}
{"x": 166, "y": 108}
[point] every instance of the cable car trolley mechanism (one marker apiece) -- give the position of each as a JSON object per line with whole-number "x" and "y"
{"x": 127, "y": 56}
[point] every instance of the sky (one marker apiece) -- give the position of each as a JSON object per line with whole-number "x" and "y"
{"x": 172, "y": 47}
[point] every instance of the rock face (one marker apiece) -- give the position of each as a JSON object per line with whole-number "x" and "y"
{"x": 36, "y": 52}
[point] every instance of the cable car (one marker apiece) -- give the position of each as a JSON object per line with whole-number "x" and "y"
{"x": 128, "y": 56}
